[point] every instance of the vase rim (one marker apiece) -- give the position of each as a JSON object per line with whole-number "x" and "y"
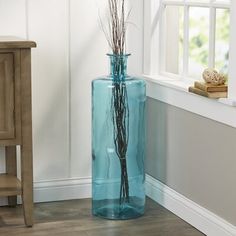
{"x": 118, "y": 55}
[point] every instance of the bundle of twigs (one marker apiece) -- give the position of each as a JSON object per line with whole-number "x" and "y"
{"x": 117, "y": 26}
{"x": 116, "y": 37}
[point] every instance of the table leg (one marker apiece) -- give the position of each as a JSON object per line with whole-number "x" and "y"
{"x": 26, "y": 138}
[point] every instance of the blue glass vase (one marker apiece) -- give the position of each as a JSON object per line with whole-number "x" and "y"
{"x": 118, "y": 143}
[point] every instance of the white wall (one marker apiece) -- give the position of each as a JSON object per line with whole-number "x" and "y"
{"x": 70, "y": 53}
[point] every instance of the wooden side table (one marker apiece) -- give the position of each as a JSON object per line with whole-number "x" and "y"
{"x": 16, "y": 121}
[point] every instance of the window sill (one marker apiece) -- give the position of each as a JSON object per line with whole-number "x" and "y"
{"x": 175, "y": 93}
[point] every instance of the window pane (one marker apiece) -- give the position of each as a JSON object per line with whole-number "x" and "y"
{"x": 222, "y": 40}
{"x": 174, "y": 16}
{"x": 199, "y": 1}
{"x": 222, "y": 1}
{"x": 198, "y": 40}
{"x": 181, "y": 1}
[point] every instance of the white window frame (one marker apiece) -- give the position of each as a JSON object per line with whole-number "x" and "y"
{"x": 232, "y": 52}
{"x": 212, "y": 5}
{"x": 174, "y": 91}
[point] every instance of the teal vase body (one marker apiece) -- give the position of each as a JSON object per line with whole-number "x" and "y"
{"x": 118, "y": 143}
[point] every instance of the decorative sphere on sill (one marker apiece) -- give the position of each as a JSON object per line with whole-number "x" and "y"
{"x": 212, "y": 76}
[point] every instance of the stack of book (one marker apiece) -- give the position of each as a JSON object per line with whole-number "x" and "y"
{"x": 209, "y": 90}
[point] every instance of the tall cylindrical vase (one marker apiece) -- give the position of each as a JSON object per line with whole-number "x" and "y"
{"x": 118, "y": 143}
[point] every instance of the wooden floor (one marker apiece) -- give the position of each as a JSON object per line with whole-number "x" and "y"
{"x": 73, "y": 218}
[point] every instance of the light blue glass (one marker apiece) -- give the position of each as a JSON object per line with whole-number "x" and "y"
{"x": 118, "y": 143}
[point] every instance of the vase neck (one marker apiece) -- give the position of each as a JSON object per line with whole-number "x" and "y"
{"x": 118, "y": 66}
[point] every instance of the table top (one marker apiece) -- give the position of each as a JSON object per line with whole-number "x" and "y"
{"x": 15, "y": 42}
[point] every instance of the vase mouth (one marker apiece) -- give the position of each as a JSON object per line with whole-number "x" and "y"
{"x": 118, "y": 55}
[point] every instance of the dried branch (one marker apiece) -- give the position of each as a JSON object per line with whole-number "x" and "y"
{"x": 115, "y": 33}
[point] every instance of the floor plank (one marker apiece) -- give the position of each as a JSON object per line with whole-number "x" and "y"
{"x": 70, "y": 218}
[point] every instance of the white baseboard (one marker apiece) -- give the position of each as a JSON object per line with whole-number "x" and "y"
{"x": 64, "y": 189}
{"x": 57, "y": 190}
{"x": 201, "y": 218}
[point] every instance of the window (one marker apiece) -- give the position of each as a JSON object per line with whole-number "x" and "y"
{"x": 194, "y": 35}
{"x": 167, "y": 53}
